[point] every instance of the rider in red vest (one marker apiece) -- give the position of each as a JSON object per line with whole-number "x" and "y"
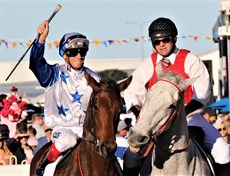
{"x": 163, "y": 34}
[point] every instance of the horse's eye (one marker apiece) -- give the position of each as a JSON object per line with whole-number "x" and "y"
{"x": 172, "y": 106}
{"x": 95, "y": 106}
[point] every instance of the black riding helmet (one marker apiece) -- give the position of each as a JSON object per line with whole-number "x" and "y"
{"x": 162, "y": 27}
{"x": 4, "y": 132}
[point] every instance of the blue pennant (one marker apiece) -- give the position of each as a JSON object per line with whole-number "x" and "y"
{"x": 62, "y": 110}
{"x": 64, "y": 77}
{"x": 76, "y": 97}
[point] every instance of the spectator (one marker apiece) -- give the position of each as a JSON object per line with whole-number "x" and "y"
{"x": 18, "y": 144}
{"x": 224, "y": 129}
{"x": 38, "y": 125}
{"x": 32, "y": 141}
{"x": 5, "y": 154}
{"x": 121, "y": 140}
{"x": 209, "y": 115}
{"x": 45, "y": 139}
{"x": 225, "y": 116}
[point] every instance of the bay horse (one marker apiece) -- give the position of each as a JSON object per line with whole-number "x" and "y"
{"x": 163, "y": 120}
{"x": 94, "y": 154}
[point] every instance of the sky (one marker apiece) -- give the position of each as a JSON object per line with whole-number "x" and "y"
{"x": 123, "y": 21}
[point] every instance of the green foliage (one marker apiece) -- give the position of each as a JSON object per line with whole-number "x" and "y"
{"x": 113, "y": 74}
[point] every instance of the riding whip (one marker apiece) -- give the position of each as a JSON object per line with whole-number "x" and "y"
{"x": 50, "y": 18}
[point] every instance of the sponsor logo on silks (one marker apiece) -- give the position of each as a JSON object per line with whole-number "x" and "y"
{"x": 56, "y": 134}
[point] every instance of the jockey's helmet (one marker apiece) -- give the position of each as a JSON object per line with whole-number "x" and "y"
{"x": 162, "y": 27}
{"x": 73, "y": 40}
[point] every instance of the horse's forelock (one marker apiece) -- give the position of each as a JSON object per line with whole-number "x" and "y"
{"x": 109, "y": 83}
{"x": 171, "y": 76}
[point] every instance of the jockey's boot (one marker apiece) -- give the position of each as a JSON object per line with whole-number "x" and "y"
{"x": 51, "y": 157}
{"x": 40, "y": 170}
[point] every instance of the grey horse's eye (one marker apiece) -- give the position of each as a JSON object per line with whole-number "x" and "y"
{"x": 172, "y": 106}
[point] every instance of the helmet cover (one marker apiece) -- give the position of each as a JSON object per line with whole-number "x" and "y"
{"x": 71, "y": 41}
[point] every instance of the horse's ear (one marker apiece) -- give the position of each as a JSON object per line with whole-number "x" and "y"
{"x": 124, "y": 84}
{"x": 91, "y": 81}
{"x": 159, "y": 69}
{"x": 186, "y": 82}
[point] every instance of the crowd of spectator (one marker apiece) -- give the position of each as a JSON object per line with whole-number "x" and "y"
{"x": 20, "y": 130}
{"x": 31, "y": 133}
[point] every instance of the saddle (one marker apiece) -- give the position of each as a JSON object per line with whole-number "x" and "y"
{"x": 197, "y": 136}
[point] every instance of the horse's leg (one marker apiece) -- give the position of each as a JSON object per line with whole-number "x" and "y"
{"x": 38, "y": 158}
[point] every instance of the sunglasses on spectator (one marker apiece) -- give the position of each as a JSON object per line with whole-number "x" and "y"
{"x": 221, "y": 129}
{"x": 74, "y": 52}
{"x": 21, "y": 137}
{"x": 48, "y": 130}
{"x": 164, "y": 40}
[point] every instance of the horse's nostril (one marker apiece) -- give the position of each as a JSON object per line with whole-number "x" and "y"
{"x": 143, "y": 139}
{"x": 111, "y": 147}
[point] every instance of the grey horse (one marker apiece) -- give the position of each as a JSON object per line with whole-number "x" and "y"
{"x": 163, "y": 118}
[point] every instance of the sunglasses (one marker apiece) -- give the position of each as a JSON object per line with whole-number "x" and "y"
{"x": 164, "y": 40}
{"x": 74, "y": 52}
{"x": 21, "y": 137}
{"x": 48, "y": 130}
{"x": 221, "y": 129}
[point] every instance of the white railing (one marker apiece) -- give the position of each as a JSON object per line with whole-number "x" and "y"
{"x": 14, "y": 169}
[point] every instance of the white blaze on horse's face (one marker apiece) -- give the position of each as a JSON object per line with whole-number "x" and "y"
{"x": 161, "y": 102}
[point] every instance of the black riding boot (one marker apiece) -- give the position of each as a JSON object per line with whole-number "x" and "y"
{"x": 40, "y": 170}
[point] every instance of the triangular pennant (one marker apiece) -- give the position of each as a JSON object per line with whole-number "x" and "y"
{"x": 56, "y": 43}
{"x": 105, "y": 43}
{"x": 208, "y": 37}
{"x": 97, "y": 42}
{"x": 195, "y": 37}
{"x": 14, "y": 45}
{"x": 111, "y": 42}
{"x": 118, "y": 41}
{"x": 49, "y": 45}
{"x": 125, "y": 41}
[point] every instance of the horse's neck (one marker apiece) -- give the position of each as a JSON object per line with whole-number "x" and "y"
{"x": 92, "y": 162}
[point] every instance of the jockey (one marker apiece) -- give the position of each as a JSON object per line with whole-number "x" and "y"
{"x": 163, "y": 34}
{"x": 67, "y": 92}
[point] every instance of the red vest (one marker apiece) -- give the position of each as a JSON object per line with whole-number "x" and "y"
{"x": 177, "y": 67}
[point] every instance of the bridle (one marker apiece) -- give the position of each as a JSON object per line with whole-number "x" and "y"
{"x": 92, "y": 129}
{"x": 95, "y": 141}
{"x": 172, "y": 117}
{"x": 175, "y": 111}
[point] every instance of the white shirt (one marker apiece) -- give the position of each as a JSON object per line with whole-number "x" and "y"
{"x": 194, "y": 67}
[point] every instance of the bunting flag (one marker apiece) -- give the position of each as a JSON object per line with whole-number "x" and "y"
{"x": 96, "y": 42}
